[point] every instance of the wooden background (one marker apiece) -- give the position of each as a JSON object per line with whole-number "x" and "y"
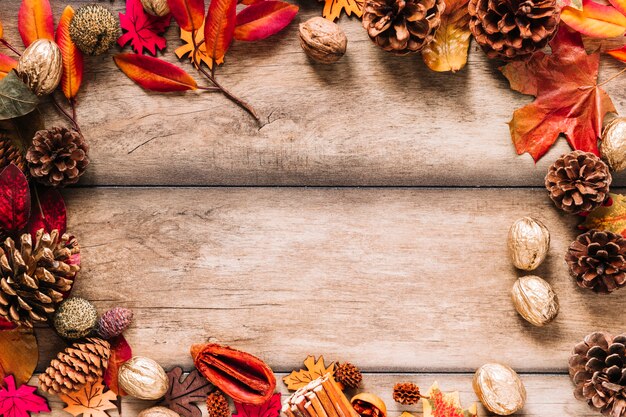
{"x": 366, "y": 219}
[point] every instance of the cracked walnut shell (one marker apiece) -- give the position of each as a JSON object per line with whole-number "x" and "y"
{"x": 323, "y": 40}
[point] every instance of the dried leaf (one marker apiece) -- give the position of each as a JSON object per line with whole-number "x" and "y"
{"x": 20, "y": 354}
{"x": 263, "y": 19}
{"x": 439, "y": 404}
{"x": 34, "y": 21}
{"x": 48, "y": 211}
{"x": 596, "y": 20}
{"x": 189, "y": 14}
{"x": 1, "y": 30}
{"x": 22, "y": 129}
{"x": 72, "y": 56}
{"x": 6, "y": 65}
{"x": 16, "y": 99}
{"x": 142, "y": 30}
{"x": 185, "y": 392}
{"x": 6, "y": 325}
{"x": 611, "y": 216}
{"x": 197, "y": 57}
{"x": 314, "y": 370}
{"x": 568, "y": 99}
{"x": 90, "y": 401}
{"x": 14, "y": 199}
{"x": 120, "y": 352}
{"x": 271, "y": 408}
{"x": 154, "y": 74}
{"x": 619, "y": 5}
{"x": 219, "y": 28}
{"x": 448, "y": 51}
{"x": 21, "y": 402}
{"x": 333, "y": 8}
{"x": 619, "y": 54}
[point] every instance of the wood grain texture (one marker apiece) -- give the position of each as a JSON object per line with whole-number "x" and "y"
{"x": 371, "y": 119}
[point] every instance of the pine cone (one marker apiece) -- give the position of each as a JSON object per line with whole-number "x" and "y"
{"x": 58, "y": 156}
{"x": 597, "y": 260}
{"x": 402, "y": 26}
{"x": 217, "y": 405}
{"x": 507, "y": 29}
{"x": 33, "y": 278}
{"x": 11, "y": 154}
{"x": 406, "y": 393}
{"x": 598, "y": 369}
{"x": 75, "y": 366}
{"x": 348, "y": 375}
{"x": 578, "y": 182}
{"x": 114, "y": 322}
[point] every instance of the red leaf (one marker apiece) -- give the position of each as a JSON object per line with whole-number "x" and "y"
{"x": 14, "y": 199}
{"x": 568, "y": 101}
{"x": 6, "y": 325}
{"x": 595, "y": 20}
{"x": 35, "y": 21}
{"x": 189, "y": 14}
{"x": 6, "y": 65}
{"x": 154, "y": 74}
{"x": 271, "y": 408}
{"x": 120, "y": 353}
{"x": 219, "y": 28}
{"x": 72, "y": 56}
{"x": 260, "y": 20}
{"x": 49, "y": 212}
{"x": 22, "y": 401}
{"x": 141, "y": 29}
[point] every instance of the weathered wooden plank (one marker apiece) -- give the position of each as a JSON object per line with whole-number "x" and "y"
{"x": 548, "y": 395}
{"x": 371, "y": 119}
{"x": 393, "y": 279}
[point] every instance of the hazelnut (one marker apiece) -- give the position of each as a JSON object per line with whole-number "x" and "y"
{"x": 499, "y": 388}
{"x": 369, "y": 405}
{"x": 535, "y": 300}
{"x": 322, "y": 40}
{"x": 528, "y": 242}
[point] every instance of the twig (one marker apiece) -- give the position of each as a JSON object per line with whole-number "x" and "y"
{"x": 208, "y": 88}
{"x": 65, "y": 113}
{"x": 8, "y": 45}
{"x": 611, "y": 78}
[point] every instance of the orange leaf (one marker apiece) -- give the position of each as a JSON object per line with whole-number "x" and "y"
{"x": 619, "y": 5}
{"x": 1, "y": 30}
{"x": 72, "y": 56}
{"x": 35, "y": 21}
{"x": 314, "y": 369}
{"x": 333, "y": 8}
{"x": 6, "y": 65}
{"x": 90, "y": 401}
{"x": 189, "y": 14}
{"x": 619, "y": 54}
{"x": 195, "y": 51}
{"x": 19, "y": 354}
{"x": 448, "y": 51}
{"x": 154, "y": 73}
{"x": 595, "y": 20}
{"x": 219, "y": 28}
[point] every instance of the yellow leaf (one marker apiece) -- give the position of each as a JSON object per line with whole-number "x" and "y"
{"x": 448, "y": 51}
{"x": 333, "y": 8}
{"x": 20, "y": 354}
{"x": 440, "y": 404}
{"x": 314, "y": 370}
{"x": 611, "y": 218}
{"x": 197, "y": 52}
{"x": 90, "y": 401}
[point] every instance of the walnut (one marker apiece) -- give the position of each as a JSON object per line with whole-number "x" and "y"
{"x": 322, "y": 40}
{"x": 41, "y": 66}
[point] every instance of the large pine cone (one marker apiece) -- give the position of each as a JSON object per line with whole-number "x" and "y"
{"x": 76, "y": 366}
{"x": 402, "y": 26}
{"x": 598, "y": 368}
{"x": 11, "y": 154}
{"x": 33, "y": 278}
{"x": 597, "y": 260}
{"x": 58, "y": 156}
{"x": 509, "y": 29}
{"x": 578, "y": 182}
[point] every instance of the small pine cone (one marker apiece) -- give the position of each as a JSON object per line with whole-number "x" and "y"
{"x": 348, "y": 375}
{"x": 217, "y": 404}
{"x": 597, "y": 259}
{"x": 406, "y": 393}
{"x": 58, "y": 156}
{"x": 578, "y": 182}
{"x": 75, "y": 366}
{"x": 11, "y": 154}
{"x": 114, "y": 322}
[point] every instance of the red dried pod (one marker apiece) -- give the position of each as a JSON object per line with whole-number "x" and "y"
{"x": 240, "y": 375}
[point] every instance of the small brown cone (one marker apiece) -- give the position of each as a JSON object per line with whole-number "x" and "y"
{"x": 217, "y": 404}
{"x": 406, "y": 393}
{"x": 348, "y": 375}
{"x": 11, "y": 154}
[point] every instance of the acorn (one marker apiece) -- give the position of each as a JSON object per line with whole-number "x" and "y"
{"x": 41, "y": 66}
{"x": 114, "y": 322}
{"x": 158, "y": 8}
{"x": 94, "y": 29}
{"x": 75, "y": 318}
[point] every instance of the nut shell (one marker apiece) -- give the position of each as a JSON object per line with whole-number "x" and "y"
{"x": 371, "y": 400}
{"x": 613, "y": 146}
{"x": 528, "y": 243}
{"x": 41, "y": 66}
{"x": 75, "y": 318}
{"x": 499, "y": 388}
{"x": 535, "y": 300}
{"x": 323, "y": 40}
{"x": 143, "y": 378}
{"x": 158, "y": 412}
{"x": 156, "y": 7}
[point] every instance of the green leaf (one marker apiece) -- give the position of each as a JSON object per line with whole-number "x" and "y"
{"x": 22, "y": 129}
{"x": 16, "y": 99}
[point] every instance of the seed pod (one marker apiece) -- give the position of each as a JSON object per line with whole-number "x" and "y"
{"x": 143, "y": 378}
{"x": 156, "y": 7}
{"x": 499, "y": 388}
{"x": 158, "y": 412}
{"x": 75, "y": 318}
{"x": 528, "y": 242}
{"x": 41, "y": 66}
{"x": 613, "y": 146}
{"x": 323, "y": 40}
{"x": 370, "y": 405}
{"x": 535, "y": 300}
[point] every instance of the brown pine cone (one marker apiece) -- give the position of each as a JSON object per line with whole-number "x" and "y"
{"x": 58, "y": 156}
{"x": 402, "y": 26}
{"x": 578, "y": 182}
{"x": 597, "y": 367}
{"x": 33, "y": 277}
{"x": 11, "y": 154}
{"x": 75, "y": 366}
{"x": 406, "y": 393}
{"x": 508, "y": 29}
{"x": 597, "y": 260}
{"x": 348, "y": 375}
{"x": 217, "y": 404}
{"x": 114, "y": 322}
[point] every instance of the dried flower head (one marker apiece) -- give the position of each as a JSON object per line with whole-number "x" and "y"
{"x": 94, "y": 29}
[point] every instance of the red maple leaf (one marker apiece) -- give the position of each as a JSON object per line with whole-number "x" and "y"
{"x": 568, "y": 98}
{"x": 142, "y": 30}
{"x": 271, "y": 408}
{"x": 22, "y": 401}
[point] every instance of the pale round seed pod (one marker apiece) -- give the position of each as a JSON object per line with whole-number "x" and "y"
{"x": 528, "y": 242}
{"x": 143, "y": 378}
{"x": 158, "y": 412}
{"x": 535, "y": 300}
{"x": 613, "y": 146}
{"x": 156, "y": 7}
{"x": 499, "y": 388}
{"x": 323, "y": 40}
{"x": 41, "y": 66}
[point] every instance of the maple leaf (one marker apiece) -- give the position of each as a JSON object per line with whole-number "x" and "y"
{"x": 184, "y": 392}
{"x": 448, "y": 51}
{"x": 568, "y": 98}
{"x": 196, "y": 52}
{"x": 142, "y": 30}
{"x": 610, "y": 217}
{"x": 90, "y": 401}
{"x": 271, "y": 408}
{"x": 333, "y": 8}
{"x": 22, "y": 401}
{"x": 314, "y": 370}
{"x": 439, "y": 404}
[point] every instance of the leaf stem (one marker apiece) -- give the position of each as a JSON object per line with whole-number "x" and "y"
{"x": 208, "y": 88}
{"x": 66, "y": 114}
{"x": 611, "y": 78}
{"x": 8, "y": 45}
